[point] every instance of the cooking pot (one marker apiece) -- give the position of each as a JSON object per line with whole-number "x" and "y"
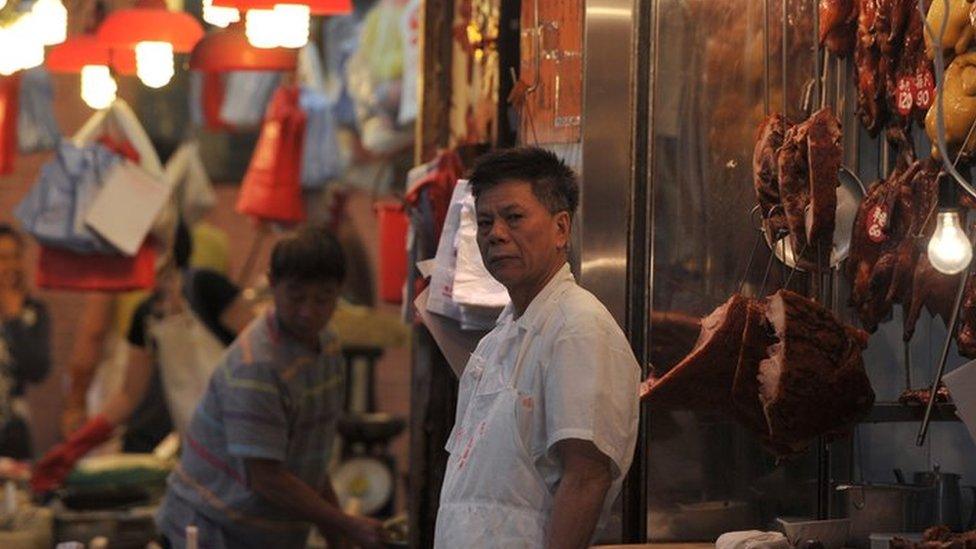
{"x": 877, "y": 508}
{"x": 940, "y": 500}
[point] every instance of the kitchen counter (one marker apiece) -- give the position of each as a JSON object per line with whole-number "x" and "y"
{"x": 659, "y": 546}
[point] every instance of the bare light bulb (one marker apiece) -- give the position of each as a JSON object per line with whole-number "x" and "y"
{"x": 219, "y": 16}
{"x": 98, "y": 88}
{"x": 154, "y": 63}
{"x": 21, "y": 46}
{"x": 50, "y": 21}
{"x": 950, "y": 250}
{"x": 293, "y": 25}
{"x": 261, "y": 28}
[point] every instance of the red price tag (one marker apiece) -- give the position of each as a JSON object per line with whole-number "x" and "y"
{"x": 924, "y": 89}
{"x": 877, "y": 222}
{"x": 905, "y": 95}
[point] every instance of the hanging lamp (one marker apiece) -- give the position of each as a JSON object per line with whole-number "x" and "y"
{"x": 270, "y": 23}
{"x": 95, "y": 62}
{"x": 229, "y": 50}
{"x": 155, "y": 33}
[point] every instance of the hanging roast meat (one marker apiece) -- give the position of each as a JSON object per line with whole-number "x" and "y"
{"x": 881, "y": 263}
{"x": 784, "y": 366}
{"x": 824, "y": 161}
{"x": 838, "y": 26}
{"x": 765, "y": 171}
{"x": 809, "y": 162}
{"x": 959, "y": 106}
{"x": 867, "y": 61}
{"x": 813, "y": 381}
{"x": 703, "y": 379}
{"x": 958, "y": 32}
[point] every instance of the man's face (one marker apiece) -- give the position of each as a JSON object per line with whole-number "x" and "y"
{"x": 520, "y": 241}
{"x": 11, "y": 262}
{"x": 305, "y": 307}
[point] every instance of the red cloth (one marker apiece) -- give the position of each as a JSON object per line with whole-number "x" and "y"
{"x": 9, "y": 109}
{"x": 121, "y": 148}
{"x": 213, "y": 100}
{"x": 440, "y": 186}
{"x": 271, "y": 189}
{"x": 57, "y": 464}
{"x": 65, "y": 270}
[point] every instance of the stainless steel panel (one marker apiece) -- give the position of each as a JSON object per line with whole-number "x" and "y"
{"x": 606, "y": 167}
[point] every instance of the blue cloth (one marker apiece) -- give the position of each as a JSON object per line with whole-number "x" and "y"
{"x": 37, "y": 129}
{"x": 320, "y": 152}
{"x": 270, "y": 398}
{"x": 54, "y": 210}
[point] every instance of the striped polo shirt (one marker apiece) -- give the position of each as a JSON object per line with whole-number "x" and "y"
{"x": 271, "y": 397}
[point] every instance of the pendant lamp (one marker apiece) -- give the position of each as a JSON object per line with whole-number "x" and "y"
{"x": 271, "y": 23}
{"x": 155, "y": 33}
{"x": 95, "y": 62}
{"x": 229, "y": 50}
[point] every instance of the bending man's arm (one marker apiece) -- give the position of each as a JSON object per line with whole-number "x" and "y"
{"x": 276, "y": 484}
{"x": 580, "y": 495}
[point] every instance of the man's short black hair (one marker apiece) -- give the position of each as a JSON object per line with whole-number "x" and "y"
{"x": 312, "y": 254}
{"x": 553, "y": 182}
{"x": 8, "y": 230}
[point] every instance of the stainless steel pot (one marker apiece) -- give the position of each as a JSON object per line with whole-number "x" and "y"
{"x": 876, "y": 508}
{"x": 940, "y": 502}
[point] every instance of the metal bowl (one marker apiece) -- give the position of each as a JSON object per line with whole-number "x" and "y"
{"x": 850, "y": 192}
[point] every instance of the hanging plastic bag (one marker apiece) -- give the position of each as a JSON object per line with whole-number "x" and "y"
{"x": 441, "y": 298}
{"x": 410, "y": 33}
{"x": 473, "y": 285}
{"x": 194, "y": 192}
{"x": 321, "y": 160}
{"x": 9, "y": 90}
{"x": 129, "y": 200}
{"x": 119, "y": 126}
{"x": 246, "y": 96}
{"x": 393, "y": 226}
{"x": 54, "y": 210}
{"x": 271, "y": 189}
{"x": 340, "y": 36}
{"x": 59, "y": 269}
{"x": 37, "y": 129}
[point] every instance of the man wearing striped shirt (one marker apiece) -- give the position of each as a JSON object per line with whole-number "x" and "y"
{"x": 254, "y": 467}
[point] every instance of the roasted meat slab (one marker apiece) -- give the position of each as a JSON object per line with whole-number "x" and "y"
{"x": 813, "y": 381}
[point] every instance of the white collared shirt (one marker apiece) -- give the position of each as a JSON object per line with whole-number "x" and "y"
{"x": 577, "y": 379}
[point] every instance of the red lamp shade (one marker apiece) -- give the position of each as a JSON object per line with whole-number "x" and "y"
{"x": 317, "y": 7}
{"x": 76, "y": 52}
{"x": 148, "y": 21}
{"x": 228, "y": 50}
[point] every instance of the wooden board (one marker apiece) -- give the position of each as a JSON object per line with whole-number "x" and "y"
{"x": 552, "y": 68}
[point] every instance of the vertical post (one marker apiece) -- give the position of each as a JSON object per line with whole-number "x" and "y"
{"x": 433, "y": 391}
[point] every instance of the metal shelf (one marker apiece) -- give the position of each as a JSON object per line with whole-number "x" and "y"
{"x": 894, "y": 412}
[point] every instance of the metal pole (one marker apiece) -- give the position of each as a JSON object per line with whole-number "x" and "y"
{"x": 953, "y": 321}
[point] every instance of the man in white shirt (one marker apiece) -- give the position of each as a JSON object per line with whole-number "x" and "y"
{"x": 548, "y": 403}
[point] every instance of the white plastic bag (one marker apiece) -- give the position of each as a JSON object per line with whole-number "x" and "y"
{"x": 441, "y": 299}
{"x": 192, "y": 186}
{"x": 188, "y": 355}
{"x": 246, "y": 97}
{"x": 473, "y": 285}
{"x": 37, "y": 129}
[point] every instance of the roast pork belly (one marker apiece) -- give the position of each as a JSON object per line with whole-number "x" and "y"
{"x": 757, "y": 337}
{"x": 765, "y": 170}
{"x": 824, "y": 162}
{"x": 703, "y": 379}
{"x": 812, "y": 382}
{"x": 867, "y": 61}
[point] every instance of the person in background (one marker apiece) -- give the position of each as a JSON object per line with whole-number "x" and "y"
{"x": 547, "y": 411}
{"x": 139, "y": 403}
{"x": 25, "y": 346}
{"x": 254, "y": 469}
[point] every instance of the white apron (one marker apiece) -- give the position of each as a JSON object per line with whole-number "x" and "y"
{"x": 493, "y": 495}
{"x": 187, "y": 354}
